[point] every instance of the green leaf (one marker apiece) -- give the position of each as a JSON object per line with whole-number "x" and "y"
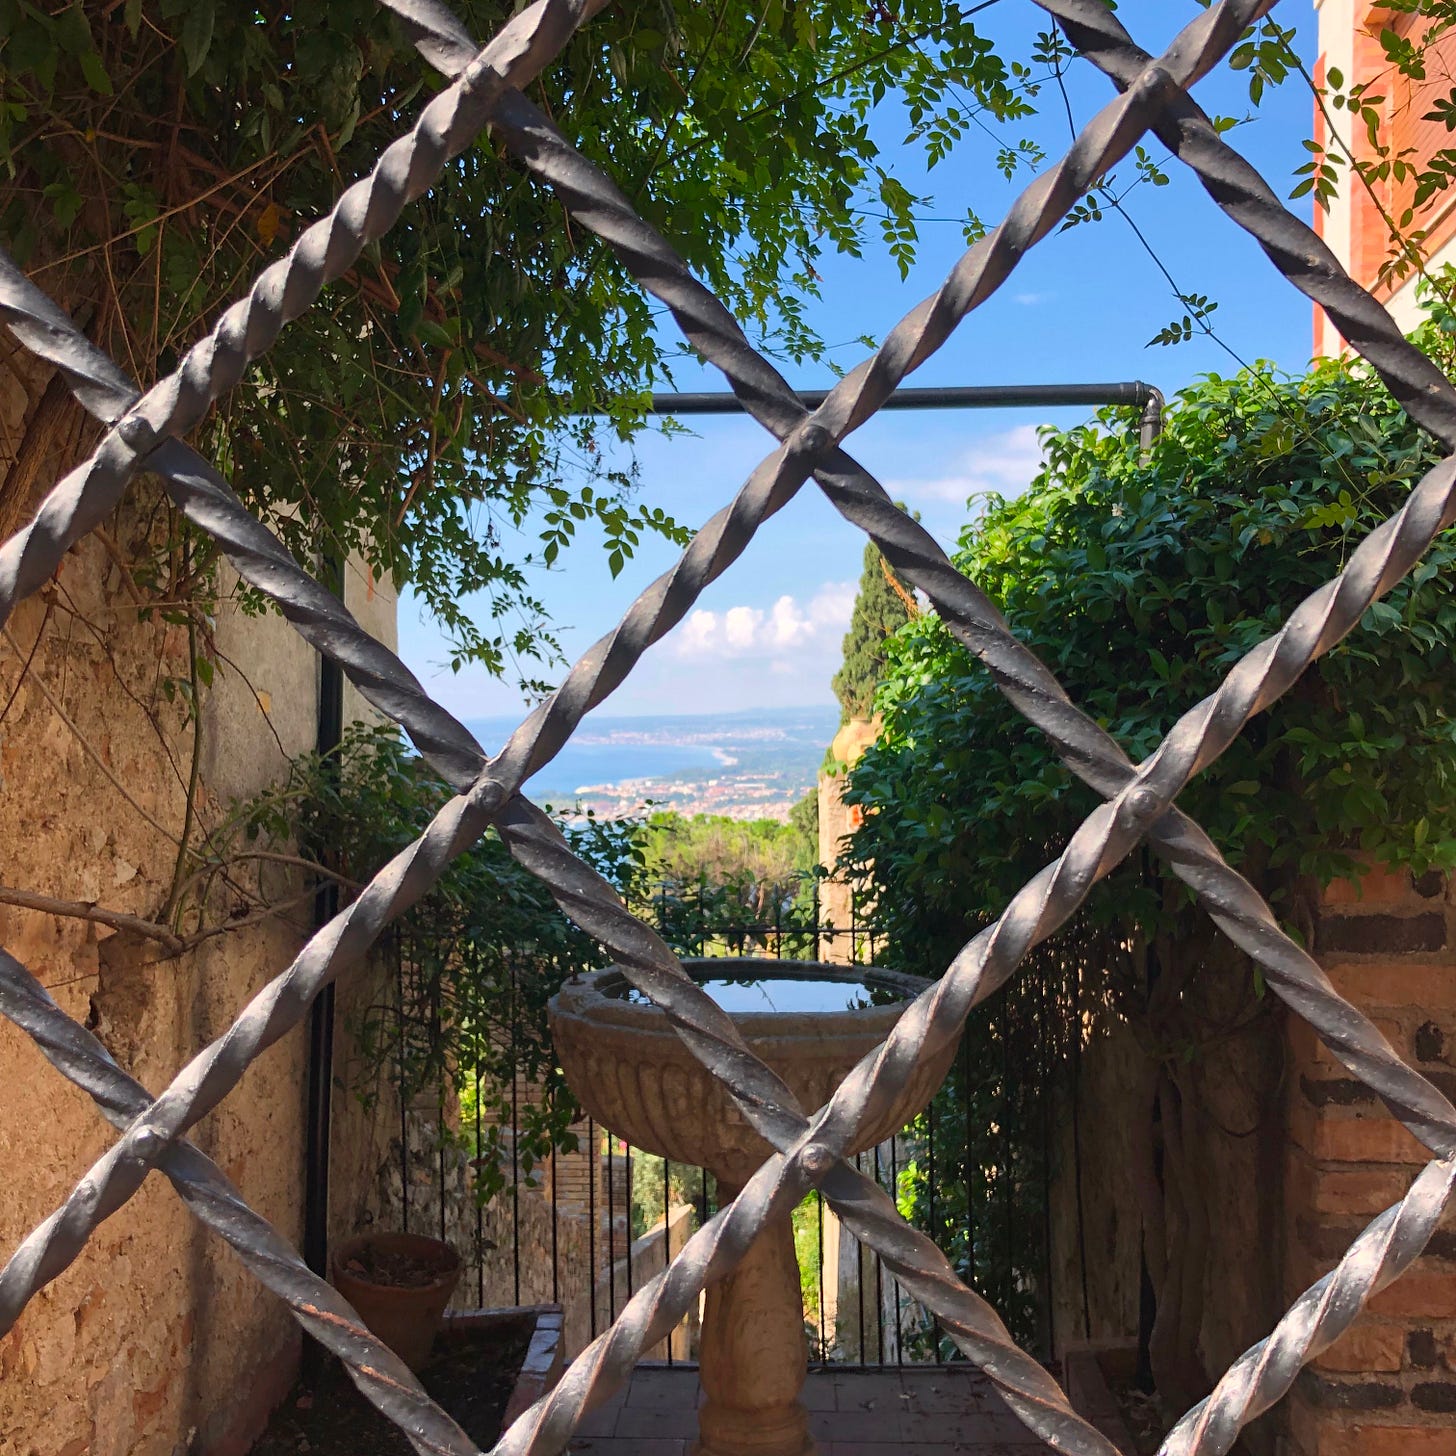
{"x": 196, "y": 37}
{"x": 95, "y": 74}
{"x": 72, "y": 31}
{"x": 430, "y": 332}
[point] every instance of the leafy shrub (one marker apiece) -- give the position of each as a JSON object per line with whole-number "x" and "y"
{"x": 1141, "y": 579}
{"x": 1140, "y": 582}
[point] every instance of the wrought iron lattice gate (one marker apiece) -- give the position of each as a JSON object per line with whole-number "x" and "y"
{"x": 144, "y": 432}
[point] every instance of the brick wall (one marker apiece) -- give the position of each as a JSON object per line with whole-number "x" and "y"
{"x": 1389, "y": 1385}
{"x": 1356, "y": 225}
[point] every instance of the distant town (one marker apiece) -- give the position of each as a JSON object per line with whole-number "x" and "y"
{"x": 733, "y": 796}
{"x": 752, "y": 765}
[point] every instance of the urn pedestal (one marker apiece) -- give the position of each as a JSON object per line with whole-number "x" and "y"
{"x": 634, "y": 1075}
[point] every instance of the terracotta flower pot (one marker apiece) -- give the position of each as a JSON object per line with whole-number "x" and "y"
{"x": 400, "y": 1284}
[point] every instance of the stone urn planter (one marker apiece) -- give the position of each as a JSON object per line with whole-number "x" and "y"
{"x": 400, "y": 1285}
{"x": 632, "y": 1073}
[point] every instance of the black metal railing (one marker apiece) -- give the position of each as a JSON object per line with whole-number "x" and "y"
{"x": 581, "y": 1227}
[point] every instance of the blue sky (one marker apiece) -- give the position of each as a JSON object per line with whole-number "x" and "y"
{"x": 1080, "y": 307}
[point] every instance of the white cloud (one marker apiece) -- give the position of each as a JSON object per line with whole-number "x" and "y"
{"x": 741, "y": 626}
{"x": 788, "y": 629}
{"x": 697, "y": 632}
{"x": 1003, "y": 463}
{"x": 1030, "y": 300}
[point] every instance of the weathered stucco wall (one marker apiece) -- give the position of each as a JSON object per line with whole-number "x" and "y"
{"x": 155, "y": 1341}
{"x": 138, "y": 1347}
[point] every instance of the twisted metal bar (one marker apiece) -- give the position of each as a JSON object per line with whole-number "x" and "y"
{"x": 324, "y": 252}
{"x": 207, "y": 1191}
{"x": 1382, "y": 1251}
{"x": 261, "y": 560}
{"x": 1294, "y": 247}
{"x": 103, "y": 375}
{"x": 861, "y": 1204}
{"x": 1246, "y": 916}
{"x": 280, "y": 1005}
{"x": 1148, "y": 807}
{"x": 595, "y": 202}
{"x": 1086, "y": 747}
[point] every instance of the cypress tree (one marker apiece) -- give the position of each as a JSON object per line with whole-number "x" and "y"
{"x": 882, "y": 605}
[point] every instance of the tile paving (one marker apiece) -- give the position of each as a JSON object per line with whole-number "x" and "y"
{"x": 922, "y": 1410}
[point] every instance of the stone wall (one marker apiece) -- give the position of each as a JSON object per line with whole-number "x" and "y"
{"x": 137, "y": 1349}
{"x": 836, "y": 823}
{"x": 155, "y": 1341}
{"x": 650, "y": 1255}
{"x": 1389, "y": 1385}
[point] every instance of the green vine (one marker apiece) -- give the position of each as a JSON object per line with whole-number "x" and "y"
{"x": 1141, "y": 579}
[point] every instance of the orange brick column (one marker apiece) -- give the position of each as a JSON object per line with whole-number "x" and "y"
{"x": 1388, "y": 1387}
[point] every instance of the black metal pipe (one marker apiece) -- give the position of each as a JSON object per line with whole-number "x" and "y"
{"x": 950, "y": 397}
{"x": 318, "y": 1117}
{"x": 939, "y": 397}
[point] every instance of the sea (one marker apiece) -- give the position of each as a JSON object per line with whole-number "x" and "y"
{"x": 782, "y": 745}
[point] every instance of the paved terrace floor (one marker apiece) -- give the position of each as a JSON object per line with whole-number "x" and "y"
{"x": 918, "y": 1411}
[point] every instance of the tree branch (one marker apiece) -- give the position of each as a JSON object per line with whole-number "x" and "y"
{"x": 81, "y": 910}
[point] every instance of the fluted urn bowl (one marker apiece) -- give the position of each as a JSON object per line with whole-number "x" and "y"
{"x": 811, "y": 1022}
{"x": 633, "y": 1073}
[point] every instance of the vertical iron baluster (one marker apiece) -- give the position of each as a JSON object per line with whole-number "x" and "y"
{"x": 1044, "y": 1055}
{"x": 555, "y": 1211}
{"x": 627, "y": 1204}
{"x": 667, "y": 1229}
{"x": 591, "y": 1222}
{"x": 1076, "y": 1077}
{"x": 515, "y": 1137}
{"x": 437, "y": 1033}
{"x": 823, "y": 1323}
{"x": 935, "y": 1229}
{"x": 611, "y": 1227}
{"x": 1003, "y": 1157}
{"x": 404, "y": 1177}
{"x": 860, "y": 1276}
{"x": 971, "y": 1157}
{"x": 880, "y": 1277}
{"x": 479, "y": 1206}
{"x": 895, "y": 1283}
